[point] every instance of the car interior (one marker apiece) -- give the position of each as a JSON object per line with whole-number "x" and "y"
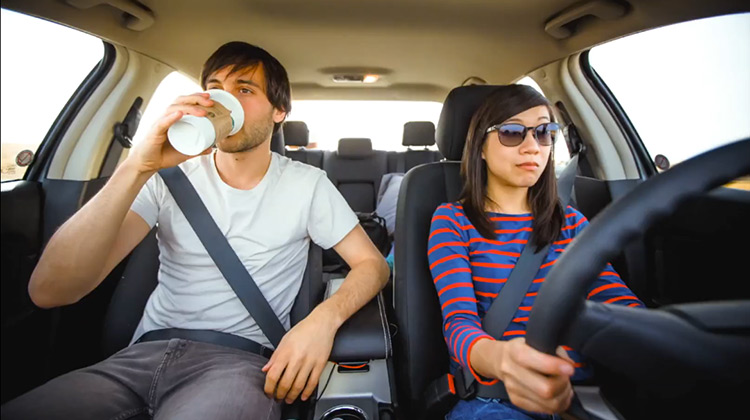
{"x": 677, "y": 237}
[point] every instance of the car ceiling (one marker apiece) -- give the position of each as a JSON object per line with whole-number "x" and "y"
{"x": 422, "y": 48}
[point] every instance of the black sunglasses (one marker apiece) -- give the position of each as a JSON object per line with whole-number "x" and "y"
{"x": 511, "y": 135}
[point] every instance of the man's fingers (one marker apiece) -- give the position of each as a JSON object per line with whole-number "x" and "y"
{"x": 287, "y": 380}
{"x": 273, "y": 376}
{"x": 312, "y": 382}
{"x": 163, "y": 123}
{"x": 299, "y": 383}
{"x": 273, "y": 355}
{"x": 188, "y": 109}
{"x": 200, "y": 98}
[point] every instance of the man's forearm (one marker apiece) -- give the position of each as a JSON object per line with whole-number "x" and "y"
{"x": 74, "y": 258}
{"x": 362, "y": 284}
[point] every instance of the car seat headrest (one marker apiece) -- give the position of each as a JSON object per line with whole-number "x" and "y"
{"x": 419, "y": 133}
{"x": 296, "y": 133}
{"x": 355, "y": 148}
{"x": 458, "y": 108}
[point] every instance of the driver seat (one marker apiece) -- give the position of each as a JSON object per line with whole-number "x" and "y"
{"x": 421, "y": 353}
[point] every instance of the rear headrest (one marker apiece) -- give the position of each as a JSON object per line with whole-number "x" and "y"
{"x": 419, "y": 133}
{"x": 355, "y": 148}
{"x": 458, "y": 108}
{"x": 277, "y": 142}
{"x": 296, "y": 133}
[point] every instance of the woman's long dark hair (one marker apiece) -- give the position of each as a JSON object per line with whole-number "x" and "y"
{"x": 546, "y": 209}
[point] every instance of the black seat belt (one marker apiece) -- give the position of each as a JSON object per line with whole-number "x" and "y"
{"x": 501, "y": 312}
{"x": 222, "y": 254}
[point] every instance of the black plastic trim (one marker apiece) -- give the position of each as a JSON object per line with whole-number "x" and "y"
{"x": 43, "y": 158}
{"x": 643, "y": 159}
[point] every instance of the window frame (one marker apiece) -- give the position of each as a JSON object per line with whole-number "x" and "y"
{"x": 47, "y": 148}
{"x": 642, "y": 158}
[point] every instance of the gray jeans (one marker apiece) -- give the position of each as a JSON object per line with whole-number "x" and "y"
{"x": 176, "y": 379}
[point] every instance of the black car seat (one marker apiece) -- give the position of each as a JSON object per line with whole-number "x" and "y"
{"x": 356, "y": 170}
{"x": 140, "y": 278}
{"x": 277, "y": 142}
{"x": 297, "y": 135}
{"x": 421, "y": 353}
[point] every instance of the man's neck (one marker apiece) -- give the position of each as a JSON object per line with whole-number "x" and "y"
{"x": 243, "y": 170}
{"x": 507, "y": 199}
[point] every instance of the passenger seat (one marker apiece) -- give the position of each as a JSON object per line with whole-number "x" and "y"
{"x": 277, "y": 142}
{"x": 416, "y": 133}
{"x": 297, "y": 134}
{"x": 355, "y": 169}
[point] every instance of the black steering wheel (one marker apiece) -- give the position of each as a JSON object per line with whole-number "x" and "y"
{"x": 673, "y": 347}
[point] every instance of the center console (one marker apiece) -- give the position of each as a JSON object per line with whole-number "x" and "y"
{"x": 356, "y": 384}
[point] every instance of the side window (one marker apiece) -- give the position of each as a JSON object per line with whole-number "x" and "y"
{"x": 174, "y": 85}
{"x": 685, "y": 87}
{"x": 43, "y": 64}
{"x": 562, "y": 154}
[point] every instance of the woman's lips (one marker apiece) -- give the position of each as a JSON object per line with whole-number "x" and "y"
{"x": 529, "y": 166}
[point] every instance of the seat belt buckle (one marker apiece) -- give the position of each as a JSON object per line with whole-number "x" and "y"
{"x": 444, "y": 392}
{"x": 463, "y": 390}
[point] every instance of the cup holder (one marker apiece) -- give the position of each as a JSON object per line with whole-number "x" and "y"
{"x": 344, "y": 412}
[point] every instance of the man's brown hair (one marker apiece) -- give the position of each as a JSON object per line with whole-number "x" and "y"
{"x": 240, "y": 56}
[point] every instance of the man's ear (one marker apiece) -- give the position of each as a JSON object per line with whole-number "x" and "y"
{"x": 278, "y": 116}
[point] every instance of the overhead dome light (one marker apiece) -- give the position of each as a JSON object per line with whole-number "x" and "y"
{"x": 355, "y": 78}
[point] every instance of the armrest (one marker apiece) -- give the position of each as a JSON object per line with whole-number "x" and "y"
{"x": 363, "y": 337}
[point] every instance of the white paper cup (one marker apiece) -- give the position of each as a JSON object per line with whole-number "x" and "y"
{"x": 234, "y": 106}
{"x": 192, "y": 135}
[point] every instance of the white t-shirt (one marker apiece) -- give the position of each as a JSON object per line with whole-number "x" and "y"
{"x": 269, "y": 227}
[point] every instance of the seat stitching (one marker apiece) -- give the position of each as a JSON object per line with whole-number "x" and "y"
{"x": 381, "y": 311}
{"x": 129, "y": 413}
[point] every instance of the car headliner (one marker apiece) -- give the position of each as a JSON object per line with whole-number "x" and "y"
{"x": 422, "y": 48}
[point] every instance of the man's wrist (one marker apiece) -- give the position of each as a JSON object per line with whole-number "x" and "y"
{"x": 328, "y": 314}
{"x": 136, "y": 169}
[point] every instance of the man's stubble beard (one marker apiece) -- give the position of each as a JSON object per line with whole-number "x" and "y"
{"x": 248, "y": 138}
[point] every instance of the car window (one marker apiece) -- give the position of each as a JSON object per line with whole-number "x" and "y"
{"x": 174, "y": 85}
{"x": 685, "y": 87}
{"x": 381, "y": 121}
{"x": 37, "y": 79}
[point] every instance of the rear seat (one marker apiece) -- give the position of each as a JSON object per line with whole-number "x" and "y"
{"x": 355, "y": 169}
{"x": 416, "y": 133}
{"x": 297, "y": 134}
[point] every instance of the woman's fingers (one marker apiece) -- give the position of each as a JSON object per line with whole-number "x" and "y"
{"x": 532, "y": 359}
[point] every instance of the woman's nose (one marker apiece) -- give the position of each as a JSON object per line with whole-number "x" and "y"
{"x": 529, "y": 144}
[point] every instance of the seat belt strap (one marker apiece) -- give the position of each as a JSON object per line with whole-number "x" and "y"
{"x": 566, "y": 181}
{"x": 501, "y": 312}
{"x": 222, "y": 254}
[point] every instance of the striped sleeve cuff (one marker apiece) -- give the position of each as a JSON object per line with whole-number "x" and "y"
{"x": 480, "y": 379}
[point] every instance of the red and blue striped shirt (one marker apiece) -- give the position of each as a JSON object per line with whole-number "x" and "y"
{"x": 469, "y": 272}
